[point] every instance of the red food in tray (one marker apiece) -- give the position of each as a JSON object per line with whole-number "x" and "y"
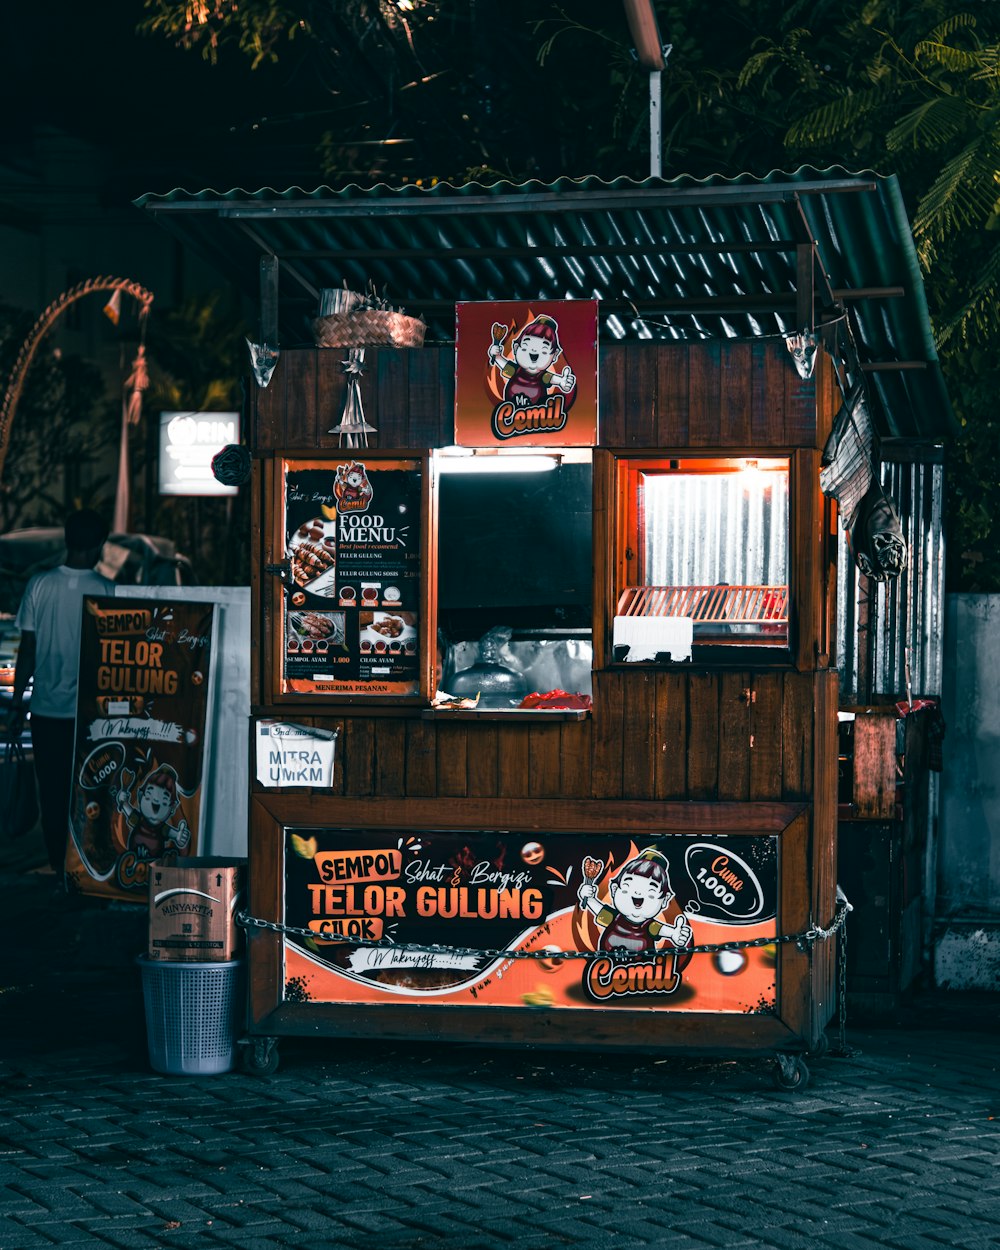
{"x": 561, "y": 700}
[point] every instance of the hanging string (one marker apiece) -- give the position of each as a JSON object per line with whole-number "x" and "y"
{"x": 663, "y": 325}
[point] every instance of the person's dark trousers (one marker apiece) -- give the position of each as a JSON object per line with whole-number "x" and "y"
{"x": 52, "y": 748}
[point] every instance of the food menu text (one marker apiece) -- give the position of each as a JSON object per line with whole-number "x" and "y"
{"x": 352, "y": 586}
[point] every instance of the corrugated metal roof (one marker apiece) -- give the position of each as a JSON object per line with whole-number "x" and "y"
{"x": 668, "y": 259}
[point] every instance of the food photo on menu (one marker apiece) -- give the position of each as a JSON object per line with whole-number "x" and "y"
{"x": 386, "y": 635}
{"x": 315, "y": 633}
{"x": 312, "y": 556}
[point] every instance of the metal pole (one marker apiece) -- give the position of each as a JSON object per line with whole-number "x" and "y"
{"x": 655, "y": 129}
{"x": 269, "y": 300}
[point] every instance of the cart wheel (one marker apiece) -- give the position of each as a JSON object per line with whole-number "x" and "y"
{"x": 790, "y": 1072}
{"x": 260, "y": 1056}
{"x": 819, "y": 1047}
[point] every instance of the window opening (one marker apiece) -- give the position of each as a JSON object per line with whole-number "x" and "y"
{"x": 708, "y": 542}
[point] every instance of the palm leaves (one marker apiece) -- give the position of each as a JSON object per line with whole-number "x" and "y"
{"x": 918, "y": 91}
{"x": 962, "y": 196}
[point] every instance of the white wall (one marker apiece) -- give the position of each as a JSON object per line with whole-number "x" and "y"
{"x": 967, "y": 941}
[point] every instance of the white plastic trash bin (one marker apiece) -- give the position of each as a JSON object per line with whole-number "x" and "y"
{"x": 193, "y": 1015}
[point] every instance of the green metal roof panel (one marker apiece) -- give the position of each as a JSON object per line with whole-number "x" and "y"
{"x": 668, "y": 259}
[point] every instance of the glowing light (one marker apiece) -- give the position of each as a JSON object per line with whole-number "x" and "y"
{"x": 468, "y": 460}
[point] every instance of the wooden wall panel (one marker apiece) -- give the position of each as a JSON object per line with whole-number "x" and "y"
{"x": 800, "y": 409}
{"x": 390, "y": 757}
{"x": 639, "y": 736}
{"x": 797, "y": 735}
{"x": 261, "y": 485}
{"x": 608, "y": 734}
{"x": 670, "y": 395}
{"x": 331, "y": 390}
{"x": 735, "y": 395}
{"x": 705, "y": 391}
{"x": 300, "y": 399}
{"x": 452, "y": 759}
{"x": 267, "y": 406}
{"x": 610, "y": 396}
{"x": 824, "y": 862}
{"x": 765, "y": 736}
{"x": 481, "y": 756}
{"x": 676, "y": 734}
{"x": 703, "y": 736}
{"x": 424, "y": 409}
{"x": 446, "y": 390}
{"x": 670, "y": 736}
{"x": 640, "y": 396}
{"x": 513, "y": 761}
{"x": 357, "y": 753}
{"x": 421, "y": 759}
{"x": 760, "y": 401}
{"x": 809, "y": 560}
{"x": 575, "y": 748}
{"x": 670, "y": 766}
{"x": 673, "y": 399}
{"x": 735, "y": 748}
{"x": 778, "y": 374}
{"x": 827, "y": 396}
{"x": 389, "y": 376}
{"x": 544, "y": 763}
{"x": 265, "y": 890}
{"x": 874, "y": 767}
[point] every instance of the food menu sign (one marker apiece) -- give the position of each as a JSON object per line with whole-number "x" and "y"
{"x": 139, "y": 761}
{"x": 442, "y": 917}
{"x": 352, "y": 547}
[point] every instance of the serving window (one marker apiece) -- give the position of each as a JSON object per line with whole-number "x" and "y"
{"x": 514, "y": 580}
{"x": 703, "y": 558}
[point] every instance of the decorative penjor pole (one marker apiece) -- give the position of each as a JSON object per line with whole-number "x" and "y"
{"x": 353, "y": 429}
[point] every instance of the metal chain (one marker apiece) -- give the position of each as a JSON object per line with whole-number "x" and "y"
{"x": 804, "y": 940}
{"x": 842, "y": 1050}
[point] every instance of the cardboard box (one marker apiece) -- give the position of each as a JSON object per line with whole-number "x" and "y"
{"x": 192, "y": 909}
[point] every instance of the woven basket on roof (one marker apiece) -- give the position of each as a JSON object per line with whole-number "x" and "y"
{"x": 371, "y": 327}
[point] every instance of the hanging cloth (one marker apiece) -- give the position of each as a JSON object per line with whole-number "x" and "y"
{"x": 847, "y": 474}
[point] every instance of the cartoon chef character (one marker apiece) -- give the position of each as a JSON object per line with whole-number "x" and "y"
{"x": 351, "y": 486}
{"x": 639, "y": 895}
{"x": 148, "y": 820}
{"x": 529, "y": 378}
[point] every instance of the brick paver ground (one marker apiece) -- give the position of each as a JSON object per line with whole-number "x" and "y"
{"x": 378, "y": 1146}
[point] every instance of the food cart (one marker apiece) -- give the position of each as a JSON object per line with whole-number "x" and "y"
{"x": 584, "y": 785}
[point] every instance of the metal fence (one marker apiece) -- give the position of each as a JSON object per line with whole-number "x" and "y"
{"x": 890, "y": 634}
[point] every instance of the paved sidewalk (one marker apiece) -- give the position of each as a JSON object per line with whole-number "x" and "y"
{"x": 379, "y": 1146}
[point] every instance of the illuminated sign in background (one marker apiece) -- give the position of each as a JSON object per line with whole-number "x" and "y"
{"x": 188, "y": 441}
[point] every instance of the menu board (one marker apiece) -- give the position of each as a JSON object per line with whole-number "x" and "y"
{"x": 140, "y": 756}
{"x": 352, "y": 586}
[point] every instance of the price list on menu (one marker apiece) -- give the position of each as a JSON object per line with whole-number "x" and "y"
{"x": 352, "y": 586}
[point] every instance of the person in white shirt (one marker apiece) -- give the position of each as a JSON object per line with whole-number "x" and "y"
{"x": 49, "y": 619}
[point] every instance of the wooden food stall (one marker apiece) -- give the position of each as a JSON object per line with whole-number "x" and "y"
{"x": 584, "y": 789}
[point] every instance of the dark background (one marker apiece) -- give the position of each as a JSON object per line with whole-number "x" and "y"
{"x": 162, "y": 117}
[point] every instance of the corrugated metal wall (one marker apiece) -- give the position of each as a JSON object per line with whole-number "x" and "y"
{"x": 719, "y": 528}
{"x": 901, "y": 625}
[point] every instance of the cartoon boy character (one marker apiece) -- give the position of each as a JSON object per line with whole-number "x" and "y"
{"x": 149, "y": 825}
{"x": 351, "y": 487}
{"x": 530, "y": 379}
{"x": 639, "y": 894}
